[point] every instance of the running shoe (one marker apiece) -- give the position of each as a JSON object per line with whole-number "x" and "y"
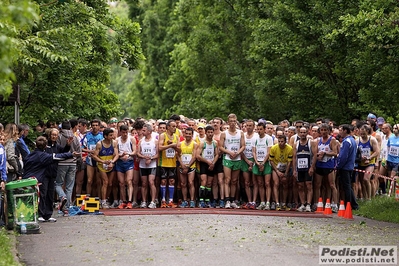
{"x": 184, "y": 204}
{"x": 135, "y": 205}
{"x": 252, "y": 206}
{"x": 283, "y": 207}
{"x": 267, "y": 208}
{"x": 152, "y": 205}
{"x": 202, "y": 204}
{"x": 65, "y": 213}
{"x": 213, "y": 204}
{"x": 261, "y": 206}
{"x": 234, "y": 205}
{"x": 221, "y": 203}
{"x": 302, "y": 208}
{"x": 115, "y": 204}
{"x": 41, "y": 219}
{"x": 171, "y": 205}
{"x": 278, "y": 207}
{"x": 308, "y": 209}
{"x": 228, "y": 205}
{"x": 273, "y": 206}
{"x": 51, "y": 219}
{"x": 62, "y": 204}
{"x": 245, "y": 206}
{"x": 163, "y": 204}
{"x": 294, "y": 207}
{"x": 129, "y": 205}
{"x": 143, "y": 204}
{"x": 104, "y": 205}
{"x": 192, "y": 204}
{"x": 208, "y": 204}
{"x": 287, "y": 208}
{"x": 123, "y": 205}
{"x": 334, "y": 208}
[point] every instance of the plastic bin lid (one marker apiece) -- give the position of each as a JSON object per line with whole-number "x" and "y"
{"x": 21, "y": 183}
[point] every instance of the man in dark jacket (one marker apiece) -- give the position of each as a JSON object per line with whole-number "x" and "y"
{"x": 39, "y": 164}
{"x": 346, "y": 163}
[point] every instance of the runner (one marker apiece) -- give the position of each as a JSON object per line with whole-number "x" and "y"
{"x": 280, "y": 160}
{"x": 232, "y": 144}
{"x": 304, "y": 161}
{"x": 148, "y": 154}
{"x": 370, "y": 151}
{"x": 168, "y": 149}
{"x": 89, "y": 145}
{"x": 187, "y": 159}
{"x": 327, "y": 149}
{"x": 207, "y": 154}
{"x": 262, "y": 169}
{"x": 106, "y": 154}
{"x": 124, "y": 166}
{"x": 248, "y": 163}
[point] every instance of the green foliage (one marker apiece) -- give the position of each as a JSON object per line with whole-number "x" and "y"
{"x": 7, "y": 257}
{"x": 380, "y": 209}
{"x": 65, "y": 61}
{"x": 15, "y": 17}
{"x": 276, "y": 59}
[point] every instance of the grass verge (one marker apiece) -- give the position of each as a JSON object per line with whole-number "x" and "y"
{"x": 380, "y": 208}
{"x": 6, "y": 249}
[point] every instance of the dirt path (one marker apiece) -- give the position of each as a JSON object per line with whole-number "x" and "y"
{"x": 196, "y": 239}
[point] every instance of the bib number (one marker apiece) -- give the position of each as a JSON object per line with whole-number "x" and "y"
{"x": 282, "y": 167}
{"x": 170, "y": 153}
{"x": 303, "y": 163}
{"x": 186, "y": 158}
{"x": 394, "y": 151}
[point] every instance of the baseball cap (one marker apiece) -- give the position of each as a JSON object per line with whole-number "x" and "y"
{"x": 371, "y": 116}
{"x": 201, "y": 125}
{"x": 380, "y": 120}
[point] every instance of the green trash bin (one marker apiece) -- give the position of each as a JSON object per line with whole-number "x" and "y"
{"x": 22, "y": 198}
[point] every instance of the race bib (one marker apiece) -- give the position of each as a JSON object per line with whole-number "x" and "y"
{"x": 282, "y": 167}
{"x": 208, "y": 155}
{"x": 303, "y": 163}
{"x": 248, "y": 152}
{"x": 147, "y": 152}
{"x": 260, "y": 155}
{"x": 365, "y": 152}
{"x": 394, "y": 151}
{"x": 186, "y": 158}
{"x": 235, "y": 148}
{"x": 170, "y": 153}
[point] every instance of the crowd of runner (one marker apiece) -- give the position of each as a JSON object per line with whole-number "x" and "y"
{"x": 188, "y": 163}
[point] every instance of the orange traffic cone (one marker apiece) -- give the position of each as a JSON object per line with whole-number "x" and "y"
{"x": 341, "y": 210}
{"x": 348, "y": 211}
{"x": 82, "y": 207}
{"x": 327, "y": 208}
{"x": 320, "y": 206}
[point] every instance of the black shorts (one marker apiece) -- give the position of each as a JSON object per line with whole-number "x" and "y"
{"x": 205, "y": 171}
{"x": 324, "y": 171}
{"x": 218, "y": 166}
{"x": 189, "y": 170}
{"x": 167, "y": 172}
{"x": 148, "y": 171}
{"x": 303, "y": 176}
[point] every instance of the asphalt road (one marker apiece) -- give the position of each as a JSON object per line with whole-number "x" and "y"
{"x": 195, "y": 239}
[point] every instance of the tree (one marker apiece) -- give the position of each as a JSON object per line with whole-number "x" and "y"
{"x": 70, "y": 51}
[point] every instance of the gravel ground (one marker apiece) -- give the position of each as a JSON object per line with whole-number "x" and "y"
{"x": 195, "y": 240}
